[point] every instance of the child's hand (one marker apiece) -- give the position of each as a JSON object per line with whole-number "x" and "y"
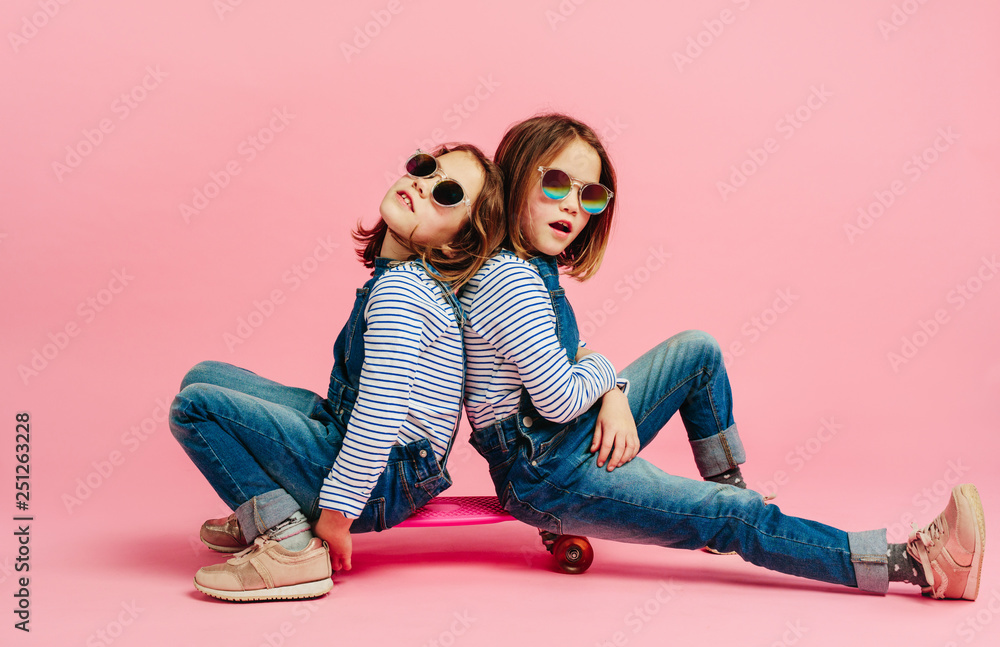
{"x": 615, "y": 429}
{"x": 335, "y": 529}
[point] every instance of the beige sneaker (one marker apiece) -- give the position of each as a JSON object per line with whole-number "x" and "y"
{"x": 267, "y": 571}
{"x": 223, "y": 535}
{"x": 951, "y": 547}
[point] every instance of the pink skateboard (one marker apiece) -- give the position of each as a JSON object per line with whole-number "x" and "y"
{"x": 573, "y": 553}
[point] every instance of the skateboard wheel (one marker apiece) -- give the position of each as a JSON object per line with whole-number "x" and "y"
{"x": 573, "y": 554}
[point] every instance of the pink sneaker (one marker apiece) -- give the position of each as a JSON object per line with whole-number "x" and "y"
{"x": 223, "y": 535}
{"x": 951, "y": 547}
{"x": 267, "y": 571}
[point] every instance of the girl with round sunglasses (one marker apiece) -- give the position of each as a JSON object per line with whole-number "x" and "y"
{"x": 561, "y": 430}
{"x": 300, "y": 469}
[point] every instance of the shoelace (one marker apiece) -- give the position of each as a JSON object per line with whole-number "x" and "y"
{"x": 927, "y": 535}
{"x": 243, "y": 554}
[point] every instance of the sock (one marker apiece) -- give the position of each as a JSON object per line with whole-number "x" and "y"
{"x": 902, "y": 566}
{"x": 729, "y": 477}
{"x": 293, "y": 533}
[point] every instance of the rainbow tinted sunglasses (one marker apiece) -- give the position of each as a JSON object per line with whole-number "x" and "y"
{"x": 556, "y": 184}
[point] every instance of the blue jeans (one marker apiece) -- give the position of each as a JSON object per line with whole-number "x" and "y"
{"x": 545, "y": 475}
{"x": 266, "y": 449}
{"x": 686, "y": 374}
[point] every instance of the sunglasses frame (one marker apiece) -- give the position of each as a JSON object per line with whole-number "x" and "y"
{"x": 444, "y": 178}
{"x": 574, "y": 181}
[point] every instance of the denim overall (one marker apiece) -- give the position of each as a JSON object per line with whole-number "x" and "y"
{"x": 266, "y": 447}
{"x": 546, "y": 476}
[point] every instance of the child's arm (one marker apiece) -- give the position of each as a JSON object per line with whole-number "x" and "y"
{"x": 397, "y": 322}
{"x": 512, "y": 311}
{"x": 335, "y": 529}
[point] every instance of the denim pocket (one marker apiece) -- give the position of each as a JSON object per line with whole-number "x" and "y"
{"x": 428, "y": 478}
{"x": 546, "y": 447}
{"x": 411, "y": 478}
{"x": 489, "y": 442}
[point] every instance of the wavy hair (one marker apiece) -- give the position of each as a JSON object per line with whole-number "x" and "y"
{"x": 536, "y": 142}
{"x": 478, "y": 239}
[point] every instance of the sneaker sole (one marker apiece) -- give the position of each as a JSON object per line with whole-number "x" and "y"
{"x": 975, "y": 571}
{"x": 224, "y": 549}
{"x": 294, "y": 592}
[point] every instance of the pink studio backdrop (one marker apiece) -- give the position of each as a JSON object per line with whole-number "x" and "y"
{"x": 814, "y": 184}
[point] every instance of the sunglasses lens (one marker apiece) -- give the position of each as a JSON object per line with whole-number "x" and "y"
{"x": 448, "y": 193}
{"x": 594, "y": 198}
{"x": 421, "y": 165}
{"x": 555, "y": 184}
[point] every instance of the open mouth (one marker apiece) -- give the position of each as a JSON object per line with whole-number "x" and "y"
{"x": 562, "y": 226}
{"x": 405, "y": 199}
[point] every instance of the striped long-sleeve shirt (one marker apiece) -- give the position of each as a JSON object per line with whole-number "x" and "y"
{"x": 410, "y": 386}
{"x": 510, "y": 341}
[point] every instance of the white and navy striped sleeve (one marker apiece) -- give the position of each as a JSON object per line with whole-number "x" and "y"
{"x": 513, "y": 312}
{"x": 394, "y": 340}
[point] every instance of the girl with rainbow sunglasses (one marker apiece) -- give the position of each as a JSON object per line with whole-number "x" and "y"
{"x": 541, "y": 406}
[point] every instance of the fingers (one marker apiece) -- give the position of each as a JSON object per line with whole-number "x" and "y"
{"x": 626, "y": 448}
{"x": 598, "y": 431}
{"x": 632, "y": 449}
{"x": 616, "y": 456}
{"x": 340, "y": 562}
{"x": 607, "y": 444}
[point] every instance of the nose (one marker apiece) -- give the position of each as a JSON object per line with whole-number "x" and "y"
{"x": 571, "y": 203}
{"x": 424, "y": 185}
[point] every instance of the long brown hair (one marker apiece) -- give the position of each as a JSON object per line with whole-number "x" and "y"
{"x": 536, "y": 142}
{"x": 477, "y": 240}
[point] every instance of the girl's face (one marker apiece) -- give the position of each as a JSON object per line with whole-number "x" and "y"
{"x": 408, "y": 209}
{"x": 551, "y": 225}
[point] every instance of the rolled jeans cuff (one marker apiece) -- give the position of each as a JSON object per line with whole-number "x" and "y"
{"x": 264, "y": 512}
{"x": 871, "y": 564}
{"x": 719, "y": 453}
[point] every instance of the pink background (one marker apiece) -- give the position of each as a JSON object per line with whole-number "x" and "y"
{"x": 826, "y": 107}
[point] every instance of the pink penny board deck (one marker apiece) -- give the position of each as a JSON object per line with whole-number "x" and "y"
{"x": 457, "y": 511}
